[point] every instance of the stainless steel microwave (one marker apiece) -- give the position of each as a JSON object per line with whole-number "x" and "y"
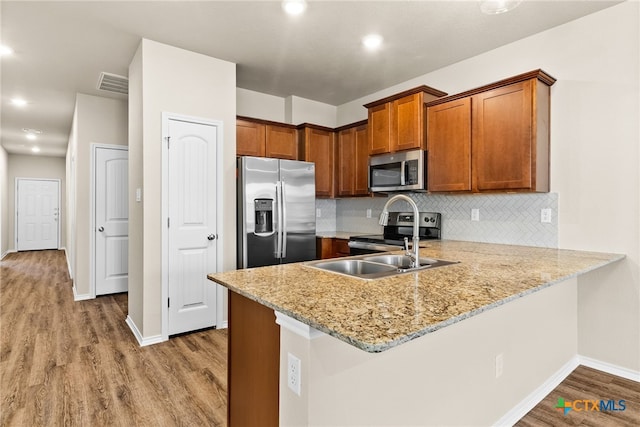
{"x": 402, "y": 171}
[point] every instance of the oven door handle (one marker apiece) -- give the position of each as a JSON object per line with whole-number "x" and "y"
{"x": 373, "y": 246}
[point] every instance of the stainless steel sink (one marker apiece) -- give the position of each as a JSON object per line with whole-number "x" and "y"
{"x": 355, "y": 267}
{"x": 376, "y": 266}
{"x": 400, "y": 261}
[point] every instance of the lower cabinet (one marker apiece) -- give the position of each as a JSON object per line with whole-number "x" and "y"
{"x": 331, "y": 247}
{"x": 254, "y": 364}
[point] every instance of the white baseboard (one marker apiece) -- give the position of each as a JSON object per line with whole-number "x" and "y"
{"x": 8, "y": 251}
{"x": 142, "y": 340}
{"x": 80, "y": 297}
{"x": 609, "y": 368}
{"x": 521, "y": 409}
{"x": 224, "y": 325}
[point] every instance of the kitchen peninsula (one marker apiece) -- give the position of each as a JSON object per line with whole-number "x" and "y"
{"x": 432, "y": 340}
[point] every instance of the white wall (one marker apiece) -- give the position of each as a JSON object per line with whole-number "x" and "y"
{"x": 4, "y": 202}
{"x": 260, "y": 105}
{"x": 443, "y": 378}
{"x": 96, "y": 120}
{"x": 27, "y": 166}
{"x": 594, "y": 156}
{"x": 168, "y": 79}
{"x": 293, "y": 109}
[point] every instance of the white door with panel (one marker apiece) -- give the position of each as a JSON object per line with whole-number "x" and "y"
{"x": 37, "y": 214}
{"x": 111, "y": 220}
{"x": 192, "y": 225}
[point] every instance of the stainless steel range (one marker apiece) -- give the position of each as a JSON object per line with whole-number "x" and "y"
{"x": 400, "y": 225}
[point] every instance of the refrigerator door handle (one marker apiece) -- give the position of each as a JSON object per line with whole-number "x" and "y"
{"x": 279, "y": 205}
{"x": 284, "y": 218}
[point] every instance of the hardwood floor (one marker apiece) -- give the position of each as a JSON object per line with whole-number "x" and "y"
{"x": 588, "y": 384}
{"x": 78, "y": 364}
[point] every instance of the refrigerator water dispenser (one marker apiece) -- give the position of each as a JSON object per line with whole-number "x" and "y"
{"x": 264, "y": 216}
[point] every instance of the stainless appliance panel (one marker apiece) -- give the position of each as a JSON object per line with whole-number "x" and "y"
{"x": 257, "y": 180}
{"x": 402, "y": 171}
{"x": 299, "y": 210}
{"x": 276, "y": 211}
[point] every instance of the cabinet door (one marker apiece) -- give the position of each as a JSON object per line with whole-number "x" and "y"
{"x": 407, "y": 127}
{"x": 502, "y": 138}
{"x": 250, "y": 138}
{"x": 449, "y": 145}
{"x": 380, "y": 129}
{"x": 320, "y": 149}
{"x": 361, "y": 182}
{"x": 347, "y": 161}
{"x": 281, "y": 142}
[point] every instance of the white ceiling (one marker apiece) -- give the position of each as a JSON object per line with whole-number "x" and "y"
{"x": 61, "y": 47}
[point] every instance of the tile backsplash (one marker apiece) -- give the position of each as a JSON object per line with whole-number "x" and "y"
{"x": 504, "y": 218}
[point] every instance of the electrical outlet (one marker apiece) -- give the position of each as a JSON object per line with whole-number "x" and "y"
{"x": 293, "y": 373}
{"x": 318, "y": 213}
{"x": 499, "y": 365}
{"x": 368, "y": 213}
{"x": 545, "y": 215}
{"x": 475, "y": 214}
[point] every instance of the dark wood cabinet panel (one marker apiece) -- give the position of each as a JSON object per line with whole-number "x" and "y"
{"x": 407, "y": 123}
{"x": 331, "y": 247}
{"x": 509, "y": 137}
{"x": 318, "y": 145}
{"x": 502, "y": 132}
{"x": 449, "y": 146}
{"x": 254, "y": 364}
{"x": 397, "y": 122}
{"x": 353, "y": 161}
{"x": 380, "y": 129}
{"x": 280, "y": 142}
{"x": 250, "y": 138}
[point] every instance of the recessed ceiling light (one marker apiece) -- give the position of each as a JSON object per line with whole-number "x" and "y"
{"x": 35, "y": 149}
{"x": 496, "y": 7}
{"x": 372, "y": 41}
{"x": 31, "y": 136}
{"x": 19, "y": 102}
{"x": 294, "y": 7}
{"x": 5, "y": 50}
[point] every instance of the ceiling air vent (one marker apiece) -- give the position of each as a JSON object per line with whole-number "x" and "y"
{"x": 113, "y": 83}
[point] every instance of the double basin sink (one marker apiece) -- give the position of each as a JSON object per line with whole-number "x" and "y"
{"x": 376, "y": 266}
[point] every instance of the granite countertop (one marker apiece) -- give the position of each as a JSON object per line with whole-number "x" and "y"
{"x": 339, "y": 234}
{"x": 375, "y": 315}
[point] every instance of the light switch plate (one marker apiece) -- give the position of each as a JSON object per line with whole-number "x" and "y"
{"x": 545, "y": 215}
{"x": 368, "y": 213}
{"x": 475, "y": 214}
{"x": 318, "y": 213}
{"x": 138, "y": 194}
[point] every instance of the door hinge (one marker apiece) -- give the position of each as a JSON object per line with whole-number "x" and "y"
{"x": 168, "y": 222}
{"x": 168, "y": 302}
{"x": 168, "y": 144}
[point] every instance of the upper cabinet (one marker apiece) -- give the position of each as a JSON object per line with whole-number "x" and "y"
{"x": 353, "y": 160}
{"x": 262, "y": 138}
{"x": 493, "y": 138}
{"x": 396, "y": 123}
{"x": 318, "y": 145}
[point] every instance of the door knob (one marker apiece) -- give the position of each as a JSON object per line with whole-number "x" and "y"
{"x": 101, "y": 229}
{"x": 211, "y": 236}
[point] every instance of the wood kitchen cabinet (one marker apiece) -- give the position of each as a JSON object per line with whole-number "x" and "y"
{"x": 318, "y": 144}
{"x": 396, "y": 123}
{"x": 253, "y": 375}
{"x": 263, "y": 138}
{"x": 505, "y": 128}
{"x": 449, "y": 146}
{"x": 353, "y": 160}
{"x": 331, "y": 247}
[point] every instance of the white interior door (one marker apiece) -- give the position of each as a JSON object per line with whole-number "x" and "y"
{"x": 192, "y": 226}
{"x": 111, "y": 220}
{"x": 38, "y": 214}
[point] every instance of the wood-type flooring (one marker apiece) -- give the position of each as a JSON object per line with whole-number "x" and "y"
{"x": 592, "y": 385}
{"x": 66, "y": 363}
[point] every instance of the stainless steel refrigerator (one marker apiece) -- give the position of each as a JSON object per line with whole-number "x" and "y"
{"x": 276, "y": 211}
